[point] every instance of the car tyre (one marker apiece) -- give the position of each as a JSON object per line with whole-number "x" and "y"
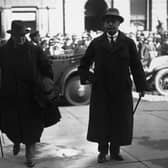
{"x": 75, "y": 93}
{"x": 161, "y": 82}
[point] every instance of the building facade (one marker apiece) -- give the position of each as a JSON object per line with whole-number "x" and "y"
{"x": 71, "y": 16}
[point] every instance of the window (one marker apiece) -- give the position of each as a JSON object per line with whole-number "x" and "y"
{"x": 28, "y": 15}
{"x": 138, "y": 13}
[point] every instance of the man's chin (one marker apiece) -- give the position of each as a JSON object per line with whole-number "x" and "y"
{"x": 111, "y": 32}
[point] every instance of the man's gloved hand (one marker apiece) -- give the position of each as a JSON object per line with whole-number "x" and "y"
{"x": 86, "y": 77}
{"x": 142, "y": 94}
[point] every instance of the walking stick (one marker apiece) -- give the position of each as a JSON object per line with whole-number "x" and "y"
{"x": 139, "y": 99}
{"x": 1, "y": 146}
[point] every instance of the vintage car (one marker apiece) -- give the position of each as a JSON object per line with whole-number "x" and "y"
{"x": 67, "y": 79}
{"x": 157, "y": 75}
{"x": 68, "y": 84}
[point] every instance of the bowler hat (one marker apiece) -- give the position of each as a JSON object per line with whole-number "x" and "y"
{"x": 35, "y": 33}
{"x": 113, "y": 13}
{"x": 18, "y": 28}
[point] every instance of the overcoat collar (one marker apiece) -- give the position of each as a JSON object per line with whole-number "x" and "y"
{"x": 117, "y": 46}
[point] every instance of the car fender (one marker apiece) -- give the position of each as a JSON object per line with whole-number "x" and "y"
{"x": 70, "y": 71}
{"x": 158, "y": 63}
{"x": 161, "y": 88}
{"x": 160, "y": 68}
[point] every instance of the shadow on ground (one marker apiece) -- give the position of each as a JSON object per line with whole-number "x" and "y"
{"x": 161, "y": 144}
{"x": 163, "y": 163}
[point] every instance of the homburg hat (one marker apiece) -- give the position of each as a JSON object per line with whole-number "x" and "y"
{"x": 113, "y": 13}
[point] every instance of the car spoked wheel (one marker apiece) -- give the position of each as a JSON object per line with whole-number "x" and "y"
{"x": 75, "y": 93}
{"x": 161, "y": 82}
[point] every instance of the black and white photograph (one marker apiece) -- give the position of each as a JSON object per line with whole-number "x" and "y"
{"x": 84, "y": 83}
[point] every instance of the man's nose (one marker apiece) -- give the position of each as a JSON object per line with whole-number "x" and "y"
{"x": 111, "y": 23}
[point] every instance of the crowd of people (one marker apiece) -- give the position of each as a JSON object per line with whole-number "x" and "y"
{"x": 149, "y": 44}
{"x": 63, "y": 44}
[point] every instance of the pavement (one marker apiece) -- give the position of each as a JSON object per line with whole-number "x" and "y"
{"x": 64, "y": 145}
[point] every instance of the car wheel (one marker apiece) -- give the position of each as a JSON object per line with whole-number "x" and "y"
{"x": 75, "y": 93}
{"x": 161, "y": 82}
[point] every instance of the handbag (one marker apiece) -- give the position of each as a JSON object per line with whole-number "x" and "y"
{"x": 45, "y": 92}
{"x": 46, "y": 96}
{"x": 51, "y": 115}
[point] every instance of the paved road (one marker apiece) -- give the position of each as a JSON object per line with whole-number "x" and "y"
{"x": 64, "y": 145}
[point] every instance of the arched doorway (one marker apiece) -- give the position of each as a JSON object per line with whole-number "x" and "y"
{"x": 94, "y": 9}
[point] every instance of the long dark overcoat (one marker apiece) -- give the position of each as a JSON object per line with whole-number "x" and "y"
{"x": 111, "y": 105}
{"x": 21, "y": 118}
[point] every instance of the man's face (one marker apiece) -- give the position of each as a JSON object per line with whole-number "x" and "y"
{"x": 36, "y": 38}
{"x": 19, "y": 39}
{"x": 111, "y": 25}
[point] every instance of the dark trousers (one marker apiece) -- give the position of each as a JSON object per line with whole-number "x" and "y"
{"x": 104, "y": 147}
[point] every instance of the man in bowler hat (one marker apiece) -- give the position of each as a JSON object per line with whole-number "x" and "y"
{"x": 115, "y": 58}
{"x": 22, "y": 119}
{"x": 35, "y": 38}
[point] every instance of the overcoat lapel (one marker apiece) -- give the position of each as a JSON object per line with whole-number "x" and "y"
{"x": 112, "y": 48}
{"x": 105, "y": 43}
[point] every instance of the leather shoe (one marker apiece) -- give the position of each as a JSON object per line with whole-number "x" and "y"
{"x": 116, "y": 157}
{"x": 29, "y": 153}
{"x": 16, "y": 149}
{"x": 101, "y": 158}
{"x": 30, "y": 163}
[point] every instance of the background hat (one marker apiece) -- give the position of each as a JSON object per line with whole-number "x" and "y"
{"x": 113, "y": 13}
{"x": 18, "y": 28}
{"x": 34, "y": 33}
{"x": 28, "y": 29}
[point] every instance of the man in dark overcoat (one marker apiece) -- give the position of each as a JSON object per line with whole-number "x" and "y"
{"x": 22, "y": 118}
{"x": 115, "y": 58}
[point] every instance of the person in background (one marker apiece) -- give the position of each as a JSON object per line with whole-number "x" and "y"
{"x": 45, "y": 47}
{"x": 27, "y": 35}
{"x": 22, "y": 118}
{"x": 74, "y": 44}
{"x": 115, "y": 58}
{"x": 140, "y": 43}
{"x": 35, "y": 38}
{"x": 67, "y": 43}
